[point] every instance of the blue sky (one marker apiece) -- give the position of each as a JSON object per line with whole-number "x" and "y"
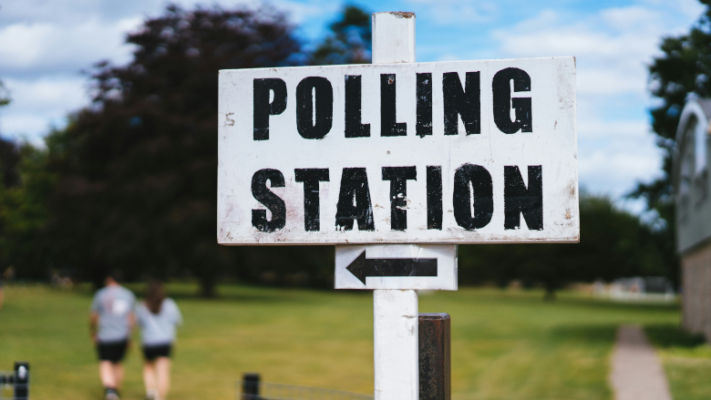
{"x": 44, "y": 44}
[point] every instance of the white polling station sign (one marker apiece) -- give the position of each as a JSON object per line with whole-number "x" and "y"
{"x": 445, "y": 152}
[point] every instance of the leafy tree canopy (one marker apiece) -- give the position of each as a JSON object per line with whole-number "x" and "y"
{"x": 24, "y": 186}
{"x": 613, "y": 243}
{"x": 683, "y": 68}
{"x": 137, "y": 183}
{"x": 130, "y": 184}
{"x": 349, "y": 41}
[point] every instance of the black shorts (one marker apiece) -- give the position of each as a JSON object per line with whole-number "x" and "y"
{"x": 150, "y": 353}
{"x": 112, "y": 351}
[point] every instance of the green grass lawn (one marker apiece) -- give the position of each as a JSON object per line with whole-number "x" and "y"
{"x": 686, "y": 361}
{"x": 505, "y": 345}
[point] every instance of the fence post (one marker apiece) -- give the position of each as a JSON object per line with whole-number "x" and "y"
{"x": 22, "y": 380}
{"x": 250, "y": 386}
{"x": 435, "y": 363}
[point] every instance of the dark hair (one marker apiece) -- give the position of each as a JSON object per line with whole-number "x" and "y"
{"x": 114, "y": 274}
{"x": 155, "y": 294}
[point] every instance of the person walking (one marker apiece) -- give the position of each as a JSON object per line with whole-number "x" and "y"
{"x": 158, "y": 316}
{"x": 111, "y": 322}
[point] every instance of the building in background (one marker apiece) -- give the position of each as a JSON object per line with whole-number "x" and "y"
{"x": 693, "y": 214}
{"x": 638, "y": 288}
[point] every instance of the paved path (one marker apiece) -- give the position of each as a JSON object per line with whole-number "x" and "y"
{"x": 637, "y": 372}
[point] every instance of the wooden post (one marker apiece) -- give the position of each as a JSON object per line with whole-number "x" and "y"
{"x": 395, "y": 344}
{"x": 393, "y": 37}
{"x": 22, "y": 381}
{"x": 435, "y": 362}
{"x": 395, "y": 311}
{"x": 250, "y": 386}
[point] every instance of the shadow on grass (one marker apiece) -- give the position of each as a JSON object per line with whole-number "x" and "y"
{"x": 603, "y": 304}
{"x": 563, "y": 299}
{"x": 225, "y": 293}
{"x": 263, "y": 294}
{"x": 605, "y": 333}
{"x": 233, "y": 297}
{"x": 671, "y": 335}
{"x": 661, "y": 335}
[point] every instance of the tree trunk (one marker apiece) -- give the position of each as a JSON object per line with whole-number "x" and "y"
{"x": 550, "y": 291}
{"x": 549, "y": 295}
{"x": 208, "y": 285}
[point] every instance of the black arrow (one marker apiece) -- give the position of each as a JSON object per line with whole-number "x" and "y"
{"x": 363, "y": 267}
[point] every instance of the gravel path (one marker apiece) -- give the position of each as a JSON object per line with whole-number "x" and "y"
{"x": 637, "y": 372}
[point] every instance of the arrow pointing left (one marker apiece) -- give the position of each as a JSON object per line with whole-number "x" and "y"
{"x": 363, "y": 267}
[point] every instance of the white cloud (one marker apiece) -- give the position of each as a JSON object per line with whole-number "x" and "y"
{"x": 613, "y": 173}
{"x": 47, "y": 93}
{"x": 38, "y": 104}
{"x": 612, "y": 155}
{"x": 612, "y": 48}
{"x": 689, "y": 8}
{"x": 42, "y": 47}
{"x": 44, "y": 44}
{"x": 300, "y": 12}
{"x": 458, "y": 11}
{"x": 70, "y": 12}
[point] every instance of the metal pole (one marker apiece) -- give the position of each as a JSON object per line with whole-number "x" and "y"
{"x": 395, "y": 311}
{"x": 22, "y": 380}
{"x": 435, "y": 362}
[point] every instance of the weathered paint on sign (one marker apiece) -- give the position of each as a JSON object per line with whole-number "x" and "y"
{"x": 397, "y": 266}
{"x": 446, "y": 152}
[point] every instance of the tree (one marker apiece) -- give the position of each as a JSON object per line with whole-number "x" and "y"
{"x": 9, "y": 152}
{"x": 684, "y": 67}
{"x": 129, "y": 183}
{"x": 24, "y": 187}
{"x": 9, "y": 159}
{"x": 350, "y": 40}
{"x": 613, "y": 243}
{"x": 137, "y": 188}
{"x": 24, "y": 214}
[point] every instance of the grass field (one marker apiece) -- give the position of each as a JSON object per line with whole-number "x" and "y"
{"x": 505, "y": 345}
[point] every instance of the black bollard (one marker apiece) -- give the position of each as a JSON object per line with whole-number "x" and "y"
{"x": 22, "y": 380}
{"x": 435, "y": 365}
{"x": 250, "y": 386}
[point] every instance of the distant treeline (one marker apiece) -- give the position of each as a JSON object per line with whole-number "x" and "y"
{"x": 130, "y": 182}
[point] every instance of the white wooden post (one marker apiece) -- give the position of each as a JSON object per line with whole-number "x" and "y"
{"x": 395, "y": 349}
{"x": 393, "y": 37}
{"x": 395, "y": 311}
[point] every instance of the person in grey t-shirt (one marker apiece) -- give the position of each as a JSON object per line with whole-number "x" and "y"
{"x": 112, "y": 320}
{"x": 158, "y": 316}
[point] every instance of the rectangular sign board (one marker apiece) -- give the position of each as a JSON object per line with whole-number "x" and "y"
{"x": 445, "y": 152}
{"x": 398, "y": 266}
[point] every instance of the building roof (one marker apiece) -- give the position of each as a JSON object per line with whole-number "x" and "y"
{"x": 695, "y": 109}
{"x": 690, "y": 175}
